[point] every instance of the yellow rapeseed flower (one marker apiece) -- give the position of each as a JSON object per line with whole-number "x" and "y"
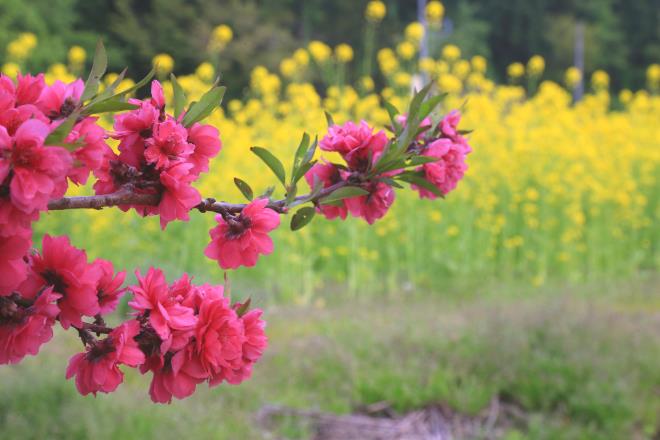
{"x": 301, "y": 56}
{"x": 434, "y": 12}
{"x": 222, "y": 34}
{"x": 479, "y": 64}
{"x": 600, "y": 80}
{"x": 11, "y": 69}
{"x": 77, "y": 55}
{"x": 344, "y": 53}
{"x": 288, "y": 67}
{"x": 572, "y": 77}
{"x": 319, "y": 51}
{"x": 367, "y": 83}
{"x": 536, "y": 65}
{"x": 375, "y": 11}
{"x": 451, "y": 52}
{"x": 205, "y": 71}
{"x": 515, "y": 70}
{"x": 414, "y": 32}
{"x": 163, "y": 63}
{"x": 406, "y": 50}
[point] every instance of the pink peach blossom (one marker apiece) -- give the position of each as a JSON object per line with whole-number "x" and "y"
{"x": 206, "y": 140}
{"x": 328, "y": 174}
{"x": 356, "y": 143}
{"x": 13, "y": 268}
{"x": 239, "y": 240}
{"x": 23, "y": 330}
{"x": 65, "y": 269}
{"x": 108, "y": 287}
{"x": 97, "y": 369}
{"x": 178, "y": 197}
{"x": 374, "y": 205}
{"x": 165, "y": 312}
{"x": 167, "y": 145}
{"x": 59, "y": 100}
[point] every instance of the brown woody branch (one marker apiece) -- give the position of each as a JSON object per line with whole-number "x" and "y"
{"x": 127, "y": 197}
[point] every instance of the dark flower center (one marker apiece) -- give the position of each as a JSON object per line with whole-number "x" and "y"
{"x": 148, "y": 341}
{"x": 237, "y": 226}
{"x": 100, "y": 349}
{"x": 52, "y": 278}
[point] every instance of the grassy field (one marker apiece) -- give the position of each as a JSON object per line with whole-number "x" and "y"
{"x": 579, "y": 362}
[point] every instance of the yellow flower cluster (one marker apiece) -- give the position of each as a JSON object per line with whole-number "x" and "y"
{"x": 553, "y": 188}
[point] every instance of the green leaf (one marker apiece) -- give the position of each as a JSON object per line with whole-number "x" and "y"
{"x": 109, "y": 91}
{"x": 269, "y": 192}
{"x": 205, "y": 106}
{"x": 291, "y": 192}
{"x": 244, "y": 188}
{"x": 421, "y": 160}
{"x": 179, "y": 96}
{"x": 302, "y": 148}
{"x": 243, "y": 309}
{"x": 99, "y": 65}
{"x": 302, "y": 170}
{"x": 143, "y": 82}
{"x": 302, "y": 217}
{"x": 273, "y": 162}
{"x": 57, "y": 136}
{"x": 328, "y": 118}
{"x": 344, "y": 192}
{"x": 108, "y": 105}
{"x": 419, "y": 180}
{"x": 429, "y": 105}
{"x": 311, "y": 150}
{"x": 393, "y": 112}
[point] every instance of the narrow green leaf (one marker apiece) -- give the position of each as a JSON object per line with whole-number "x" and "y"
{"x": 99, "y": 65}
{"x": 109, "y": 91}
{"x": 343, "y": 193}
{"x": 291, "y": 192}
{"x": 244, "y": 188}
{"x": 143, "y": 82}
{"x": 427, "y": 107}
{"x": 328, "y": 118}
{"x": 205, "y": 106}
{"x": 57, "y": 136}
{"x": 311, "y": 150}
{"x": 419, "y": 180}
{"x": 243, "y": 309}
{"x": 393, "y": 112}
{"x": 179, "y": 96}
{"x": 302, "y": 170}
{"x": 302, "y": 148}
{"x": 269, "y": 192}
{"x": 273, "y": 162}
{"x": 302, "y": 217}
{"x": 108, "y": 105}
{"x": 421, "y": 160}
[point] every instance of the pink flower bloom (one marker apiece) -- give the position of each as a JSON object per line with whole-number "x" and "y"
{"x": 98, "y": 368}
{"x": 23, "y": 330}
{"x": 7, "y": 93}
{"x": 178, "y": 197}
{"x": 167, "y": 145}
{"x": 132, "y": 128}
{"x": 108, "y": 288}
{"x": 29, "y": 88}
{"x": 449, "y": 124}
{"x": 13, "y": 118}
{"x": 239, "y": 240}
{"x": 253, "y": 347}
{"x": 219, "y": 338}
{"x": 13, "y": 268}
{"x": 178, "y": 377}
{"x": 14, "y": 221}
{"x": 91, "y": 155}
{"x": 60, "y": 100}
{"x": 328, "y": 174}
{"x": 157, "y": 95}
{"x": 374, "y": 205}
{"x": 65, "y": 269}
{"x": 165, "y": 312}
{"x": 39, "y": 173}
{"x": 356, "y": 143}
{"x": 447, "y": 171}
{"x": 206, "y": 140}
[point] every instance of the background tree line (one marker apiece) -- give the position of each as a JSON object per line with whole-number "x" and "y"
{"x": 622, "y": 36}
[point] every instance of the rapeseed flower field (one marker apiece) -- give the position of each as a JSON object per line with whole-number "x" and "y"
{"x": 556, "y": 188}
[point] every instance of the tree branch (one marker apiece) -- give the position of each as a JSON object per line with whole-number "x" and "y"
{"x": 127, "y": 197}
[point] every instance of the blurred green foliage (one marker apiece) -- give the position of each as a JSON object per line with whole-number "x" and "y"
{"x": 622, "y": 36}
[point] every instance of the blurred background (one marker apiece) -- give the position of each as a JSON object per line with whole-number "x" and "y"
{"x": 524, "y": 306}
